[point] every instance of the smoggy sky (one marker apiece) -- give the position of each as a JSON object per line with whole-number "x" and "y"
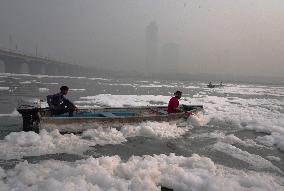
{"x": 240, "y": 37}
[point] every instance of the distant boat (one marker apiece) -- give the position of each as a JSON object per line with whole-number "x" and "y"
{"x": 210, "y": 85}
{"x": 36, "y": 119}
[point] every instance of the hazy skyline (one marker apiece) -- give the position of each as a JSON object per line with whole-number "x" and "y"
{"x": 240, "y": 37}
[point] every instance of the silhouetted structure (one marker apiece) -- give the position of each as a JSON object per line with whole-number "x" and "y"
{"x": 13, "y": 62}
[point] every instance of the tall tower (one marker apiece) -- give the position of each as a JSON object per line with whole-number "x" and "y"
{"x": 152, "y": 47}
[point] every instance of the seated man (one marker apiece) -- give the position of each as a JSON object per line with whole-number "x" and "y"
{"x": 174, "y": 103}
{"x": 59, "y": 104}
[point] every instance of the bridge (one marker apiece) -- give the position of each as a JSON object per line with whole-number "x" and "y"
{"x": 16, "y": 62}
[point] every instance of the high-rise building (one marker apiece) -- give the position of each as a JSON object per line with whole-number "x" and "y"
{"x": 152, "y": 47}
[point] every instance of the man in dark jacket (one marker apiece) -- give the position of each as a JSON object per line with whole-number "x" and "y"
{"x": 59, "y": 104}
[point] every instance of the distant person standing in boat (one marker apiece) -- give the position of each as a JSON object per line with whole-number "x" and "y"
{"x": 174, "y": 103}
{"x": 59, "y": 104}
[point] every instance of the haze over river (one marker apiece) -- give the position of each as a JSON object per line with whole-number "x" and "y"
{"x": 236, "y": 144}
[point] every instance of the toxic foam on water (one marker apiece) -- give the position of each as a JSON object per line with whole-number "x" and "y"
{"x": 138, "y": 173}
{"x": 262, "y": 115}
{"x": 154, "y": 129}
{"x": 255, "y": 161}
{"x": 19, "y": 144}
{"x": 252, "y": 90}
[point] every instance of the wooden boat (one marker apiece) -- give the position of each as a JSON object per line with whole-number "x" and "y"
{"x": 36, "y": 119}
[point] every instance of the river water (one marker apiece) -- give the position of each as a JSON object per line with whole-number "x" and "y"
{"x": 237, "y": 143}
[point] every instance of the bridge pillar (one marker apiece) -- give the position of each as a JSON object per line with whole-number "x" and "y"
{"x": 24, "y": 68}
{"x": 42, "y": 69}
{"x": 2, "y": 66}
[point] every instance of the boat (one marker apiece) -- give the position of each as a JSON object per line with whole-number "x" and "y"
{"x": 210, "y": 85}
{"x": 36, "y": 118}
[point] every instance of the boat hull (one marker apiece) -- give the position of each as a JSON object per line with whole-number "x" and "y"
{"x": 92, "y": 118}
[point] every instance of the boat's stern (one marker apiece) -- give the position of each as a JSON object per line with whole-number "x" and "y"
{"x": 31, "y": 117}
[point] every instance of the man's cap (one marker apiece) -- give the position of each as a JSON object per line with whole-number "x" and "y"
{"x": 62, "y": 88}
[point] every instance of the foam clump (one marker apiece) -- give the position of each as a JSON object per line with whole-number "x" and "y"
{"x": 276, "y": 139}
{"x": 19, "y": 144}
{"x": 255, "y": 161}
{"x": 198, "y": 119}
{"x": 104, "y": 136}
{"x": 138, "y": 173}
{"x": 154, "y": 129}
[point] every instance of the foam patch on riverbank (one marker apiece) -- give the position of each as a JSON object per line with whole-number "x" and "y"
{"x": 138, "y": 173}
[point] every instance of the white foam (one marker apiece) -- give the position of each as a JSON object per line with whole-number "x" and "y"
{"x": 4, "y": 88}
{"x": 103, "y": 79}
{"x": 198, "y": 119}
{"x": 14, "y": 113}
{"x": 104, "y": 136}
{"x": 143, "y": 81}
{"x": 230, "y": 139}
{"x": 262, "y": 115}
{"x": 157, "y": 86}
{"x": 77, "y": 90}
{"x": 19, "y": 144}
{"x": 255, "y": 161}
{"x": 26, "y": 82}
{"x": 191, "y": 87}
{"x": 153, "y": 129}
{"x": 43, "y": 89}
{"x": 252, "y": 90}
{"x": 273, "y": 158}
{"x": 133, "y": 85}
{"x": 138, "y": 173}
{"x": 276, "y": 139}
{"x": 50, "y": 83}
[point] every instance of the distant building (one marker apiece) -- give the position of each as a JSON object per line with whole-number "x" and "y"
{"x": 152, "y": 47}
{"x": 169, "y": 60}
